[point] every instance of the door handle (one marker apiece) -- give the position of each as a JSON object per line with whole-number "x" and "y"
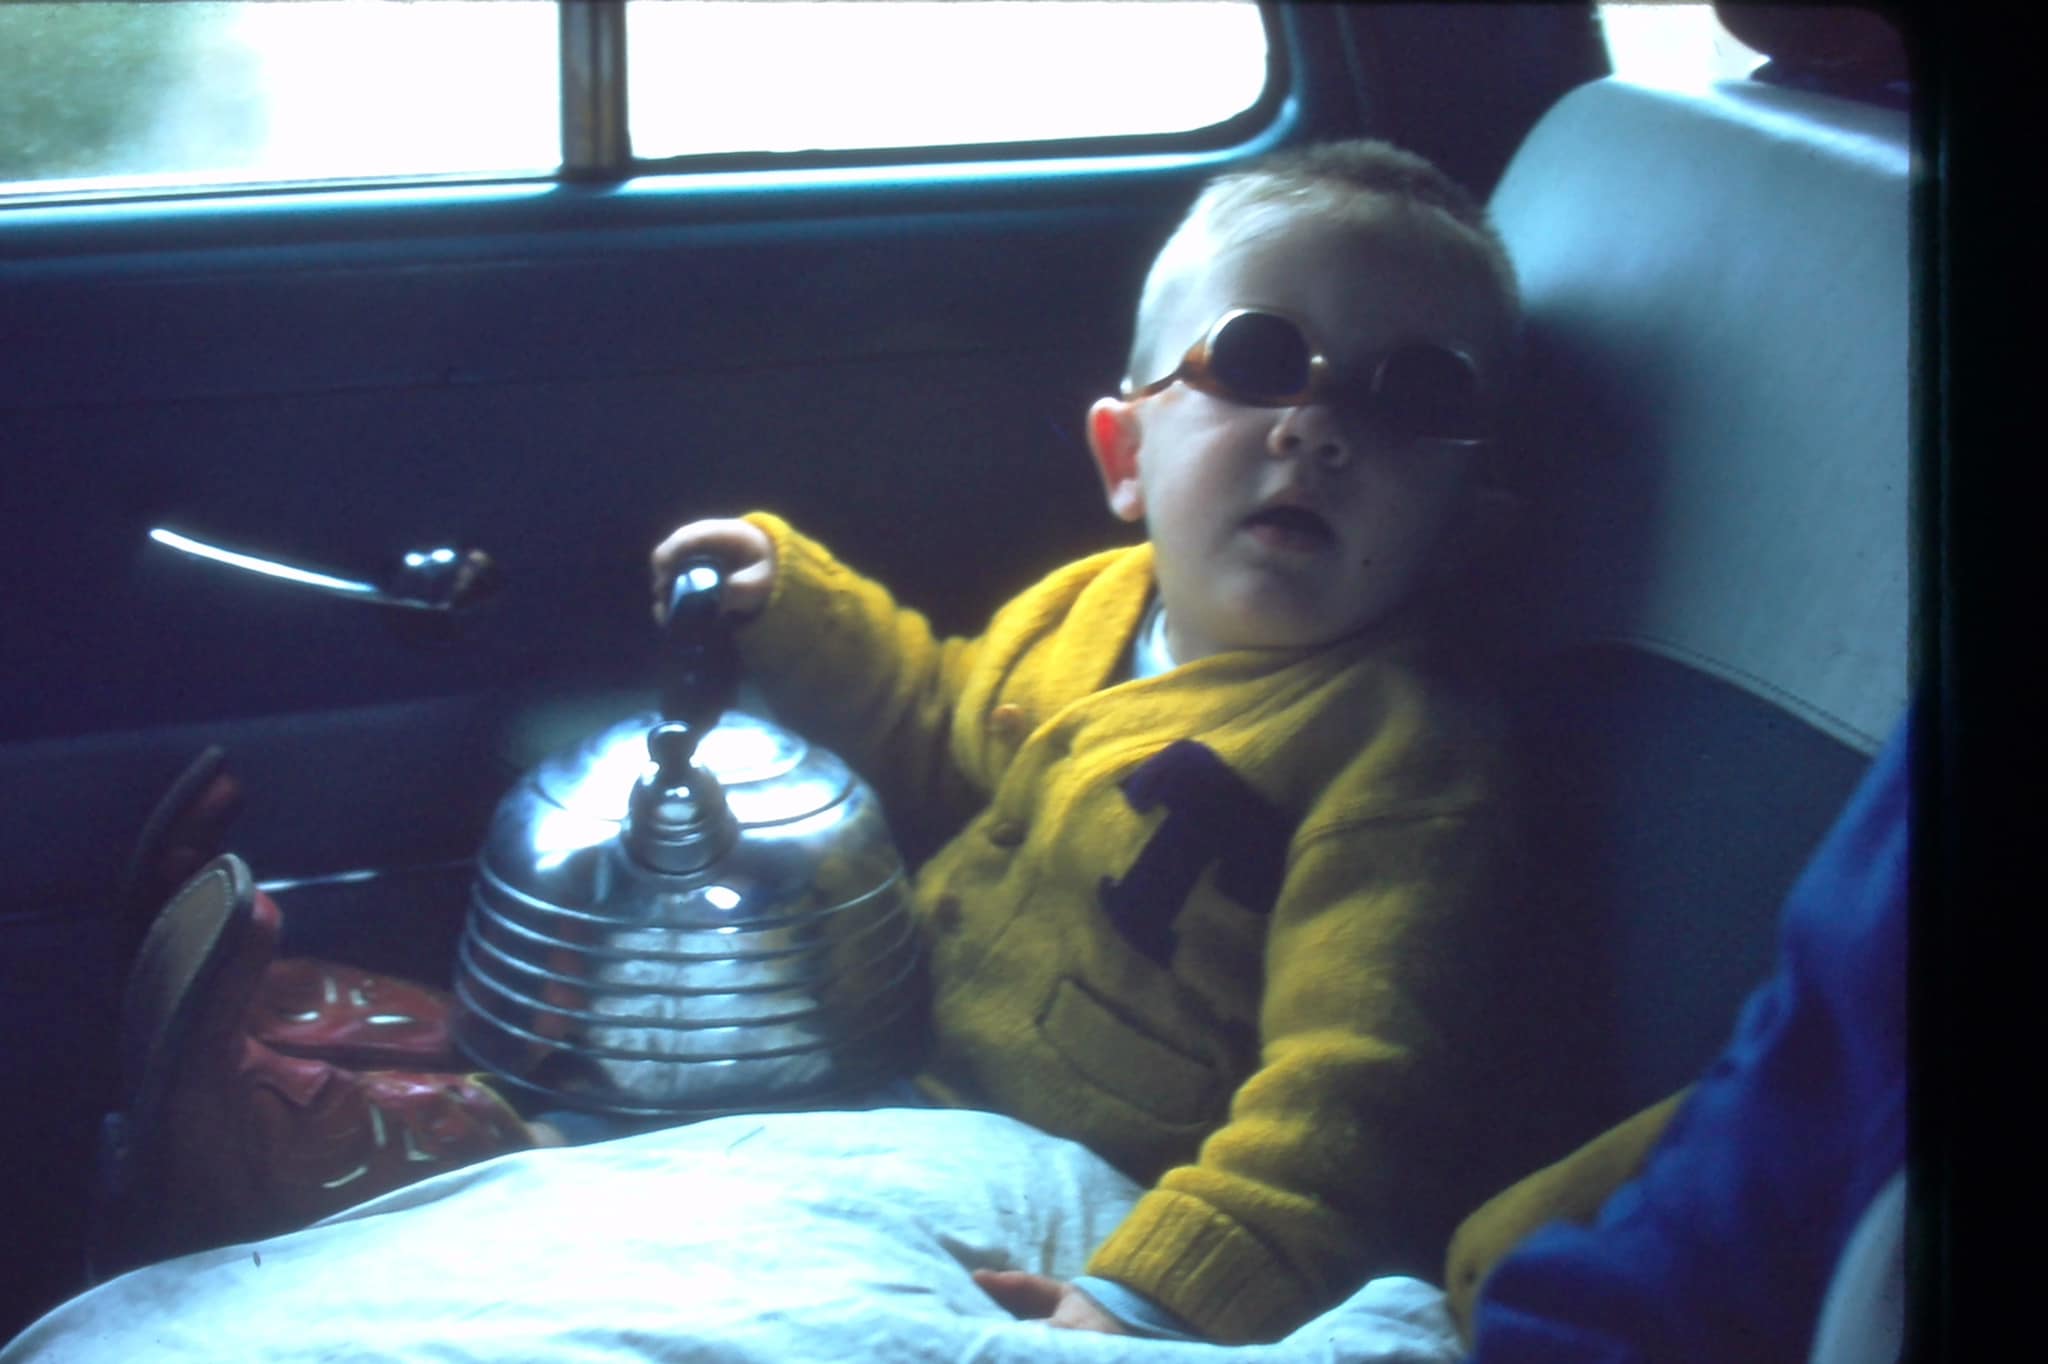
{"x": 441, "y": 579}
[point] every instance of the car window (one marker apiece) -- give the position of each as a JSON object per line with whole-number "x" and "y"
{"x": 144, "y": 96}
{"x": 920, "y": 72}
{"x": 1672, "y": 43}
{"x": 153, "y": 96}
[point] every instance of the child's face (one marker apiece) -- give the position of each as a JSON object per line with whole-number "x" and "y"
{"x": 1288, "y": 527}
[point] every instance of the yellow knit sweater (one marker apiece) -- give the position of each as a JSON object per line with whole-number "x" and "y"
{"x": 1221, "y": 924}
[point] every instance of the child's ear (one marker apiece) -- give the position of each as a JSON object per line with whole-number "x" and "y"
{"x": 1113, "y": 439}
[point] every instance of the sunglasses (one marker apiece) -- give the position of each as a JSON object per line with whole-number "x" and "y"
{"x": 1419, "y": 391}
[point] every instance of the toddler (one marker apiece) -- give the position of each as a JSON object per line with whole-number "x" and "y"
{"x": 1225, "y": 825}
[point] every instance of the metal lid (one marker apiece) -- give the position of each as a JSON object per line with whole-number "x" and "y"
{"x": 768, "y": 774}
{"x": 597, "y": 829}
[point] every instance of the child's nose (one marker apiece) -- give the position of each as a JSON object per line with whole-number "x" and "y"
{"x": 1310, "y": 431}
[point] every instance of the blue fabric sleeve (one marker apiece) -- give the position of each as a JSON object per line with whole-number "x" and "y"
{"x": 1142, "y": 1315}
{"x": 1723, "y": 1247}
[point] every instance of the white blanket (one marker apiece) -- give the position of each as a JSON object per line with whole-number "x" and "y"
{"x": 779, "y": 1239}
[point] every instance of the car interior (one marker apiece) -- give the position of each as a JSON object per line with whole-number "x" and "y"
{"x": 1716, "y": 616}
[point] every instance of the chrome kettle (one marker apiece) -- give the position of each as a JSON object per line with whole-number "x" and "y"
{"x": 692, "y": 912}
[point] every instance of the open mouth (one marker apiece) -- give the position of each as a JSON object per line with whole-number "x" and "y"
{"x": 1289, "y": 528}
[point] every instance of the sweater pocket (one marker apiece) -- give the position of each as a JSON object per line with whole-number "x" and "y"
{"x": 1113, "y": 1054}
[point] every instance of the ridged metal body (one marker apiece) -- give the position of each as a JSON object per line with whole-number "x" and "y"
{"x": 656, "y": 931}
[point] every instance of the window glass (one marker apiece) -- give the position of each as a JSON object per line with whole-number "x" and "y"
{"x": 1672, "y": 43}
{"x": 742, "y": 75}
{"x": 140, "y": 95}
{"x": 148, "y": 94}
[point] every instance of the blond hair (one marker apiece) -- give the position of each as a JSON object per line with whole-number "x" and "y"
{"x": 1361, "y": 182}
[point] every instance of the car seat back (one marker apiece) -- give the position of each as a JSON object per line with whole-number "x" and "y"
{"x": 1715, "y": 604}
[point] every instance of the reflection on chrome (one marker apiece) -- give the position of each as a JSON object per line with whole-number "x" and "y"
{"x": 784, "y": 968}
{"x": 268, "y": 567}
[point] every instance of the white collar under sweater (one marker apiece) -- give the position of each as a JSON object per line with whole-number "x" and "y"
{"x": 1150, "y": 654}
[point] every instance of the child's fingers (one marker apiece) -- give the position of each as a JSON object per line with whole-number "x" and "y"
{"x": 747, "y": 586}
{"x": 1029, "y": 1296}
{"x": 711, "y": 537}
{"x": 742, "y": 549}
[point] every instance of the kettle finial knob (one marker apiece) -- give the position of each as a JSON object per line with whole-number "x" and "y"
{"x": 700, "y": 664}
{"x": 670, "y": 746}
{"x": 677, "y": 820}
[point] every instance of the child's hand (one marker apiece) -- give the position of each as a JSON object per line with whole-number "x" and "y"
{"x": 741, "y": 548}
{"x": 1036, "y": 1297}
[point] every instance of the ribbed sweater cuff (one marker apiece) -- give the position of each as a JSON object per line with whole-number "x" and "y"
{"x": 800, "y": 606}
{"x": 1205, "y": 1267}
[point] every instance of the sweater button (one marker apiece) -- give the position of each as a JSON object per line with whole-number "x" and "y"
{"x": 1006, "y": 833}
{"x": 946, "y": 913}
{"x": 1008, "y": 722}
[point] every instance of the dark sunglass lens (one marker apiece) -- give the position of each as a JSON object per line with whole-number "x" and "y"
{"x": 1258, "y": 356}
{"x": 1427, "y": 391}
